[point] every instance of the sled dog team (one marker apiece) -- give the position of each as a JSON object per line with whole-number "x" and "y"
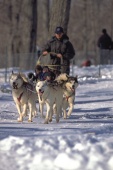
{"x": 58, "y": 96}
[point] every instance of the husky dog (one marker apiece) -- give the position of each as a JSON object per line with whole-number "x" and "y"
{"x": 69, "y": 85}
{"x": 49, "y": 94}
{"x": 24, "y": 96}
{"x": 69, "y": 95}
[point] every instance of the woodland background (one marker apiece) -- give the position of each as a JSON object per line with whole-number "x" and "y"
{"x": 26, "y": 25}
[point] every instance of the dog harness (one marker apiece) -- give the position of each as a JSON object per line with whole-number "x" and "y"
{"x": 29, "y": 87}
{"x": 67, "y": 97}
{"x": 19, "y": 98}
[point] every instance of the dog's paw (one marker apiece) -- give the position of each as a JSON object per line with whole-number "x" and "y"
{"x": 19, "y": 120}
{"x": 50, "y": 120}
{"x": 65, "y": 117}
{"x": 46, "y": 121}
{"x": 30, "y": 120}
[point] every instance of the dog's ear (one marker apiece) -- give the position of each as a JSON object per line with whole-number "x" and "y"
{"x": 19, "y": 75}
{"x": 67, "y": 76}
{"x": 71, "y": 78}
{"x": 76, "y": 78}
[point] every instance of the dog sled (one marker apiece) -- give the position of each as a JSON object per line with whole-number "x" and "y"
{"x": 45, "y": 60}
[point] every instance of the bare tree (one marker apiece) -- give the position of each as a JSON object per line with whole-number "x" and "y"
{"x": 59, "y": 14}
{"x": 85, "y": 30}
{"x": 111, "y": 18}
{"x": 46, "y": 18}
{"x": 33, "y": 32}
{"x": 27, "y": 23}
{"x": 43, "y": 21}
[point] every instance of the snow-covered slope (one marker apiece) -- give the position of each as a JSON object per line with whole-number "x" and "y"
{"x": 82, "y": 142}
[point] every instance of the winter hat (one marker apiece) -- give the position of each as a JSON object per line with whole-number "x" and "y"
{"x": 59, "y": 30}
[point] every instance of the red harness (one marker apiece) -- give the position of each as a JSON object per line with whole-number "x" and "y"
{"x": 28, "y": 87}
{"x": 67, "y": 97}
{"x": 19, "y": 98}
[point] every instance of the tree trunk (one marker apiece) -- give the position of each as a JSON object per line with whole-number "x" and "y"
{"x": 85, "y": 30}
{"x": 59, "y": 15}
{"x": 43, "y": 21}
{"x": 33, "y": 33}
{"x": 46, "y": 16}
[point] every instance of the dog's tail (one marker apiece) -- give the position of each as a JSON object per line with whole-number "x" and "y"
{"x": 62, "y": 77}
{"x": 31, "y": 77}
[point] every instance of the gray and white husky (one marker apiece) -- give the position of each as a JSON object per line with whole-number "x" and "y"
{"x": 49, "y": 95}
{"x": 24, "y": 96}
{"x": 69, "y": 85}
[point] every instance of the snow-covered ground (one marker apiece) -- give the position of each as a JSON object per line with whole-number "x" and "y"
{"x": 82, "y": 142}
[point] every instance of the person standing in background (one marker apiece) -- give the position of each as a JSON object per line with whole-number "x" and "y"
{"x": 105, "y": 45}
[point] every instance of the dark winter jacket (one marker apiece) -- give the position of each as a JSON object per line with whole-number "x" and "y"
{"x": 39, "y": 76}
{"x": 104, "y": 42}
{"x": 62, "y": 46}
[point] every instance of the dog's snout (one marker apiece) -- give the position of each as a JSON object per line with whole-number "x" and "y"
{"x": 39, "y": 90}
